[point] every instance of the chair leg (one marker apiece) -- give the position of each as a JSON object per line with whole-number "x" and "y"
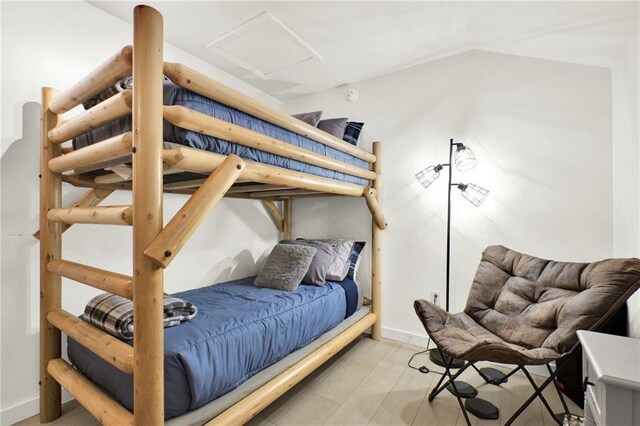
{"x": 539, "y": 390}
{"x": 539, "y": 393}
{"x": 439, "y": 388}
{"x": 560, "y": 394}
{"x": 453, "y": 383}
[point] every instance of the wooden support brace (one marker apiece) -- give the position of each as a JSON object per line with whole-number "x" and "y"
{"x": 107, "y": 347}
{"x": 111, "y": 215}
{"x": 274, "y": 212}
{"x": 287, "y": 213}
{"x": 105, "y": 150}
{"x": 172, "y": 238}
{"x": 91, "y": 198}
{"x": 110, "y": 282}
{"x": 248, "y": 407}
{"x": 374, "y": 207}
{"x": 104, "y": 408}
{"x": 106, "y": 75}
{"x": 115, "y": 107}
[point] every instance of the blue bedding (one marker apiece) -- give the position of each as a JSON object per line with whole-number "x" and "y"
{"x": 240, "y": 330}
{"x": 174, "y": 95}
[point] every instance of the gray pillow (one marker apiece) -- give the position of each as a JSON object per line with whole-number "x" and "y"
{"x": 334, "y": 126}
{"x": 285, "y": 267}
{"x": 340, "y": 263}
{"x": 317, "y": 272}
{"x": 312, "y": 118}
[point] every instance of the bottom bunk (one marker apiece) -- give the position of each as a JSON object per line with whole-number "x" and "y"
{"x": 241, "y": 332}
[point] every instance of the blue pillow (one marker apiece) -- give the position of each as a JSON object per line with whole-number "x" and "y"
{"x": 352, "y": 132}
{"x": 354, "y": 259}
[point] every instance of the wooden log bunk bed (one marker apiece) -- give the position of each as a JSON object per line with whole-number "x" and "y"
{"x": 155, "y": 245}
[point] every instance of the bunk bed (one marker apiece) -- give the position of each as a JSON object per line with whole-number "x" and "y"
{"x": 221, "y": 143}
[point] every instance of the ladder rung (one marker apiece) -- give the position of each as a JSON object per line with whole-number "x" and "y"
{"x": 107, "y": 347}
{"x": 98, "y": 403}
{"x": 115, "y": 107}
{"x": 117, "y": 146}
{"x": 108, "y": 281}
{"x": 110, "y": 215}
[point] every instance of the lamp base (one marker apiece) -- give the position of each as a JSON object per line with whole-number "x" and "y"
{"x": 493, "y": 376}
{"x": 482, "y": 409}
{"x": 465, "y": 390}
{"x": 436, "y": 357}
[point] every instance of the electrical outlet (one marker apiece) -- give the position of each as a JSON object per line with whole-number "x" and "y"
{"x": 435, "y": 298}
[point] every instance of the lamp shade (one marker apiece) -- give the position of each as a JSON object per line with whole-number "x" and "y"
{"x": 427, "y": 176}
{"x": 464, "y": 158}
{"x": 474, "y": 193}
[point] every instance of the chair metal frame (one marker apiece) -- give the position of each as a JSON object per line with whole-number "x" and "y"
{"x": 537, "y": 389}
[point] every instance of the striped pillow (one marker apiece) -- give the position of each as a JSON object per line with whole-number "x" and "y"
{"x": 352, "y": 132}
{"x": 354, "y": 258}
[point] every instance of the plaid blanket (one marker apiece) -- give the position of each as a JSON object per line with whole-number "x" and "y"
{"x": 114, "y": 314}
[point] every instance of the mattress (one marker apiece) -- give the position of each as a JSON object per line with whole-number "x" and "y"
{"x": 175, "y": 95}
{"x": 239, "y": 330}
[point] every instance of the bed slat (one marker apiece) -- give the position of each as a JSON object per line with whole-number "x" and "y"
{"x": 98, "y": 403}
{"x": 108, "y": 281}
{"x": 106, "y": 75}
{"x": 107, "y": 347}
{"x": 105, "y": 150}
{"x": 113, "y": 108}
{"x": 110, "y": 215}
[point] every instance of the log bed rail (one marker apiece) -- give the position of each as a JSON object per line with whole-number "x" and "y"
{"x": 155, "y": 245}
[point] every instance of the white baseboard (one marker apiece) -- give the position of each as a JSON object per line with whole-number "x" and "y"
{"x": 24, "y": 410}
{"x": 420, "y": 340}
{"x": 405, "y": 337}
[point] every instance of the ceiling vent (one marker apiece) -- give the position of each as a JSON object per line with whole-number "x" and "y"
{"x": 263, "y": 46}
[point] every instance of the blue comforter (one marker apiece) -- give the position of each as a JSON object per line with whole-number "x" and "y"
{"x": 239, "y": 330}
{"x": 174, "y": 95}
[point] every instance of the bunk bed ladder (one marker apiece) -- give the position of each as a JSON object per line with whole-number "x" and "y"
{"x": 145, "y": 286}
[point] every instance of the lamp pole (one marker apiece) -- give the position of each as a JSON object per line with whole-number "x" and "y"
{"x": 449, "y": 223}
{"x": 464, "y": 159}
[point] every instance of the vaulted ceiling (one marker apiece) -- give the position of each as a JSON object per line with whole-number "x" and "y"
{"x": 360, "y": 40}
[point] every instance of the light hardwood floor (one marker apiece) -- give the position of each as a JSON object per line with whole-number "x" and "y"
{"x": 369, "y": 383}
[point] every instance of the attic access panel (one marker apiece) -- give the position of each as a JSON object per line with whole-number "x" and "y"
{"x": 263, "y": 46}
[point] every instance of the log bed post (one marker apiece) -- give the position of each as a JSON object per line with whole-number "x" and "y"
{"x": 376, "y": 244}
{"x": 287, "y": 209}
{"x": 148, "y": 347}
{"x": 50, "y": 248}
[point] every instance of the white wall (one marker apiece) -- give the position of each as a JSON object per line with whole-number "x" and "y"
{"x": 55, "y": 44}
{"x": 626, "y": 163}
{"x": 541, "y": 131}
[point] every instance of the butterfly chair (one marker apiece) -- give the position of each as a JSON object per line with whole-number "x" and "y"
{"x": 525, "y": 311}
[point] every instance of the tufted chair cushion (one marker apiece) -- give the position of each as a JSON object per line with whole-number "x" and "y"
{"x": 526, "y": 310}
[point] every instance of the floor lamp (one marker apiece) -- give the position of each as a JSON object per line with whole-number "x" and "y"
{"x": 463, "y": 158}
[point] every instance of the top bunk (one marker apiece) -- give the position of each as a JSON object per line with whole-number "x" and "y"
{"x": 205, "y": 122}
